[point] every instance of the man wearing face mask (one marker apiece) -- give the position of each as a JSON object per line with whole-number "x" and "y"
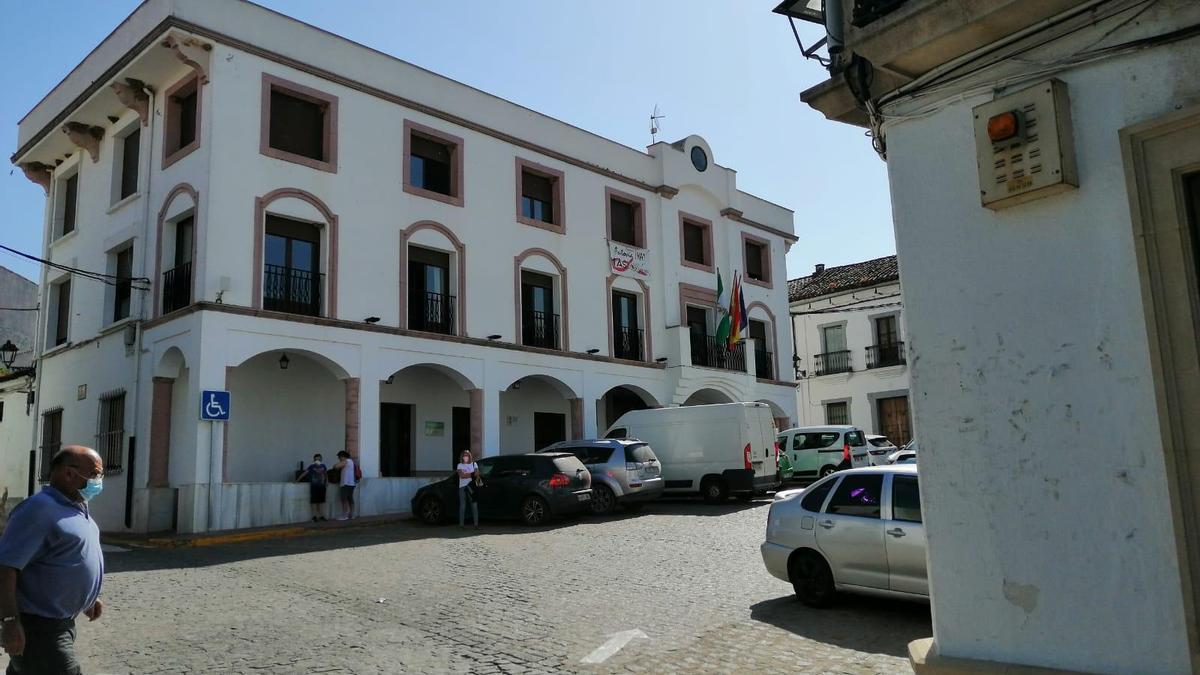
{"x": 51, "y": 567}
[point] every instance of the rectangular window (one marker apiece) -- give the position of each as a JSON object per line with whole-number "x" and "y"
{"x": 695, "y": 243}
{"x": 1, "y": 411}
{"x": 430, "y": 165}
{"x": 834, "y": 338}
{"x": 70, "y": 200}
{"x": 539, "y": 322}
{"x": 886, "y": 332}
{"x": 764, "y": 359}
{"x": 182, "y": 129}
{"x": 430, "y": 305}
{"x": 858, "y": 495}
{"x": 627, "y": 336}
{"x": 130, "y": 152}
{"x": 757, "y": 260}
{"x": 297, "y": 125}
{"x": 623, "y": 222}
{"x": 537, "y": 197}
{"x": 123, "y": 284}
{"x": 906, "y": 499}
{"x": 837, "y": 413}
{"x": 292, "y": 281}
{"x": 51, "y": 440}
{"x": 62, "y": 314}
{"x": 110, "y": 430}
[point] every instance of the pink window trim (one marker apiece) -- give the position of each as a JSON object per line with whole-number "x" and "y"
{"x": 329, "y": 139}
{"x": 766, "y": 263}
{"x": 460, "y": 249}
{"x": 518, "y": 337}
{"x": 696, "y": 296}
{"x": 708, "y": 242}
{"x": 646, "y": 325}
{"x": 182, "y": 188}
{"x": 331, "y": 227}
{"x": 172, "y": 121}
{"x": 556, "y": 177}
{"x": 639, "y": 218}
{"x": 456, "y": 197}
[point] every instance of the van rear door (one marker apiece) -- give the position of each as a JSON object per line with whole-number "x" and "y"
{"x": 761, "y": 438}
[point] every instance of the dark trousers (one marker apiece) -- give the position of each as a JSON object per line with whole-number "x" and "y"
{"x": 49, "y": 648}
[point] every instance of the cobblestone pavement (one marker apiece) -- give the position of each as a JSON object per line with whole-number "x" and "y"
{"x": 503, "y": 599}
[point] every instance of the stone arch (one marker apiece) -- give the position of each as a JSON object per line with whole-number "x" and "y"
{"x": 459, "y": 248}
{"x": 619, "y": 400}
{"x": 170, "y": 364}
{"x": 781, "y": 416}
{"x": 331, "y": 252}
{"x": 335, "y": 368}
{"x": 562, "y": 283}
{"x": 709, "y": 395}
{"x": 180, "y": 189}
{"x": 558, "y": 385}
{"x": 458, "y": 378}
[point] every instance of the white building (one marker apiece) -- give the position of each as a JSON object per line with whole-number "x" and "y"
{"x": 848, "y": 324}
{"x": 1044, "y": 167}
{"x": 18, "y": 327}
{"x": 367, "y": 256}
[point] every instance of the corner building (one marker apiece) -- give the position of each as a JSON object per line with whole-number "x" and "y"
{"x": 368, "y": 257}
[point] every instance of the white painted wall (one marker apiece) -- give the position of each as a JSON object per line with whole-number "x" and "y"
{"x": 1050, "y": 533}
{"x": 517, "y": 408}
{"x": 433, "y": 397}
{"x": 16, "y": 439}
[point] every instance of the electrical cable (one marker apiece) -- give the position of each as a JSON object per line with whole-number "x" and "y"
{"x": 835, "y": 310}
{"x": 109, "y": 279}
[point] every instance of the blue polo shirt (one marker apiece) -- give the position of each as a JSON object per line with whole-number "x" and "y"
{"x": 55, "y": 545}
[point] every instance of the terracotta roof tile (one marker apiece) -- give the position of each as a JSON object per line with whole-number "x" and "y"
{"x": 844, "y": 278}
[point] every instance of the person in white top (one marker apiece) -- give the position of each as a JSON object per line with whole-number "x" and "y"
{"x": 468, "y": 480}
{"x": 345, "y": 465}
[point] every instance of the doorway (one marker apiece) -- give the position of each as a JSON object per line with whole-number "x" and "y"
{"x": 460, "y": 435}
{"x": 395, "y": 439}
{"x": 894, "y": 421}
{"x": 548, "y": 428}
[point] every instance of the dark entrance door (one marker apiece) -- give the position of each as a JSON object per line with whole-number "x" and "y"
{"x": 548, "y": 428}
{"x": 461, "y": 434}
{"x": 893, "y": 419}
{"x": 395, "y": 439}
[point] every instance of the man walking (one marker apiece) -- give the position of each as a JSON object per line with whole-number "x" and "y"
{"x": 348, "y": 480}
{"x": 51, "y": 567}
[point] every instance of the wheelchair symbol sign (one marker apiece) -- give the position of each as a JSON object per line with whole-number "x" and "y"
{"x": 214, "y": 405}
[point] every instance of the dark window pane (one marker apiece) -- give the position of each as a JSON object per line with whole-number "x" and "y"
{"x": 758, "y": 331}
{"x": 624, "y": 222}
{"x": 62, "y": 320}
{"x": 70, "y": 203}
{"x": 885, "y": 331}
{"x": 814, "y": 498}
{"x": 537, "y": 197}
{"x": 755, "y": 269}
{"x": 187, "y": 118}
{"x": 111, "y": 435}
{"x": 130, "y": 150}
{"x": 639, "y": 453}
{"x": 858, "y": 495}
{"x": 906, "y": 499}
{"x": 183, "y": 241}
{"x": 815, "y": 440}
{"x": 855, "y": 438}
{"x": 123, "y": 284}
{"x": 297, "y": 126}
{"x": 430, "y": 164}
{"x": 693, "y": 244}
{"x": 276, "y": 250}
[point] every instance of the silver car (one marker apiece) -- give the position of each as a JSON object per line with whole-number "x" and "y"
{"x": 624, "y": 471}
{"x": 858, "y": 530}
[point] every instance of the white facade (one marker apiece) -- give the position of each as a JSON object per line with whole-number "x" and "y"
{"x": 349, "y": 382}
{"x": 16, "y": 435}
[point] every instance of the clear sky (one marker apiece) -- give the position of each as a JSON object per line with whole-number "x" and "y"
{"x": 728, "y": 70}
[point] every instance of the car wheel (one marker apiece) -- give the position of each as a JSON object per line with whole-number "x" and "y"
{"x": 604, "y": 501}
{"x": 431, "y": 511}
{"x": 826, "y": 470}
{"x": 534, "y": 510}
{"x": 713, "y": 491}
{"x": 812, "y": 580}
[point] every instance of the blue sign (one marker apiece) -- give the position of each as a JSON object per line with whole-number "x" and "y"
{"x": 214, "y": 405}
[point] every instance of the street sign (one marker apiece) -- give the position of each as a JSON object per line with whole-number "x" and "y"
{"x": 214, "y": 405}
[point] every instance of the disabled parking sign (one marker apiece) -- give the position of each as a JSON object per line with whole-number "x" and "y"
{"x": 214, "y": 406}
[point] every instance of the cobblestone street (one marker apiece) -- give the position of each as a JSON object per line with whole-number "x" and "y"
{"x": 409, "y": 598}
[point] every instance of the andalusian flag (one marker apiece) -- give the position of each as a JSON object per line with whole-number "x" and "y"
{"x": 725, "y": 326}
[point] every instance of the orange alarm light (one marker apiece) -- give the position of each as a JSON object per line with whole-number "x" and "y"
{"x": 1003, "y": 126}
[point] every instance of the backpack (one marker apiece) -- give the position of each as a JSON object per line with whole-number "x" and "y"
{"x": 357, "y": 472}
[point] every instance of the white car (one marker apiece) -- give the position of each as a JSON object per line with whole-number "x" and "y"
{"x": 819, "y": 451}
{"x": 905, "y": 455}
{"x": 879, "y": 447}
{"x": 858, "y": 530}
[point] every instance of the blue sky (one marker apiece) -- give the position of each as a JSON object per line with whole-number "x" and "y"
{"x": 728, "y": 70}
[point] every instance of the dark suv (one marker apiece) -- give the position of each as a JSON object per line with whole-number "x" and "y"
{"x": 533, "y": 487}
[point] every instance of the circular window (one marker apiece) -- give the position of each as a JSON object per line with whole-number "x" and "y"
{"x": 699, "y": 159}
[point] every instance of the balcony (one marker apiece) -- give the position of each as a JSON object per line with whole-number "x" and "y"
{"x": 711, "y": 352}
{"x": 830, "y": 363}
{"x": 177, "y": 288}
{"x": 539, "y": 329}
{"x": 432, "y": 312}
{"x": 627, "y": 343}
{"x": 764, "y": 364}
{"x": 882, "y": 356}
{"x": 295, "y": 291}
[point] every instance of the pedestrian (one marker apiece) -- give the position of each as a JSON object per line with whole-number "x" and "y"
{"x": 468, "y": 480}
{"x": 318, "y": 478}
{"x": 345, "y": 467}
{"x": 51, "y": 567}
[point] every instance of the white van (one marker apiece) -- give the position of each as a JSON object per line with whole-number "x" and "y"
{"x": 717, "y": 450}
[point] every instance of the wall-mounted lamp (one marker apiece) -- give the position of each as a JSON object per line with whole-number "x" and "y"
{"x": 796, "y": 366}
{"x": 661, "y": 359}
{"x": 495, "y": 337}
{"x": 516, "y": 385}
{"x": 593, "y": 351}
{"x": 8, "y": 353}
{"x": 284, "y": 361}
{"x": 371, "y": 319}
{"x": 391, "y": 379}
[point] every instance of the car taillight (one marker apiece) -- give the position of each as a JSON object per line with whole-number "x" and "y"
{"x": 747, "y": 451}
{"x": 559, "y": 480}
{"x": 846, "y": 452}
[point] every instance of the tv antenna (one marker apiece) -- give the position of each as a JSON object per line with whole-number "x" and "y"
{"x": 655, "y": 116}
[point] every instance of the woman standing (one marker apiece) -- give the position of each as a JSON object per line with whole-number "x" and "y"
{"x": 468, "y": 480}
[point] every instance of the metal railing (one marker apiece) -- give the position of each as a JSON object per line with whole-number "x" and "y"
{"x": 286, "y": 289}
{"x": 432, "y": 312}
{"x": 764, "y": 364}
{"x": 539, "y": 329}
{"x": 627, "y": 343}
{"x": 833, "y": 362}
{"x": 711, "y": 352}
{"x": 177, "y": 288}
{"x": 881, "y": 356}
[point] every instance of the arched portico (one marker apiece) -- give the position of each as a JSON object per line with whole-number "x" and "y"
{"x": 537, "y": 410}
{"x": 428, "y": 414}
{"x": 708, "y": 396}
{"x": 620, "y": 400}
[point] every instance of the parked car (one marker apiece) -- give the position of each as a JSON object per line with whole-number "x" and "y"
{"x": 624, "y": 471}
{"x": 819, "y": 451}
{"x": 717, "y": 450}
{"x": 905, "y": 455}
{"x": 856, "y": 531}
{"x": 534, "y": 487}
{"x": 879, "y": 449}
{"x": 790, "y": 492}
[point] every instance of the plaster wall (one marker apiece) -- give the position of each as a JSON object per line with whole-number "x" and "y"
{"x": 433, "y": 397}
{"x": 517, "y": 409}
{"x": 16, "y": 439}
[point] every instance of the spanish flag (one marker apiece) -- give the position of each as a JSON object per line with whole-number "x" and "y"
{"x": 738, "y": 321}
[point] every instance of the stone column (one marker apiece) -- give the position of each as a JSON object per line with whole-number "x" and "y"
{"x": 352, "y": 416}
{"x": 491, "y": 422}
{"x": 476, "y": 397}
{"x": 365, "y": 413}
{"x": 160, "y": 431}
{"x": 576, "y": 418}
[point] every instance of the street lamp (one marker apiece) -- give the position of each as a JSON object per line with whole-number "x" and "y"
{"x": 8, "y": 353}
{"x": 284, "y": 361}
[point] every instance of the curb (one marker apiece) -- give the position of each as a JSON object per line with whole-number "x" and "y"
{"x": 242, "y": 536}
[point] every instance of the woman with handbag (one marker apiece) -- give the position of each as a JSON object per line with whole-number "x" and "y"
{"x": 468, "y": 480}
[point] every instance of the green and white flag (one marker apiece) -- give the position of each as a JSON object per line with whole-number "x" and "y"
{"x": 723, "y": 326}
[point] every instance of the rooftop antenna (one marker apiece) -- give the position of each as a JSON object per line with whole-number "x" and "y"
{"x": 655, "y": 116}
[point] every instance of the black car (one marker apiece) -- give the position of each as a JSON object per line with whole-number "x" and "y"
{"x": 533, "y": 487}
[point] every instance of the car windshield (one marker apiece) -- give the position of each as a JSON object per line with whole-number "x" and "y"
{"x": 568, "y": 465}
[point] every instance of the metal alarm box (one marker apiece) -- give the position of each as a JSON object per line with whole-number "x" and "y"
{"x": 1024, "y": 146}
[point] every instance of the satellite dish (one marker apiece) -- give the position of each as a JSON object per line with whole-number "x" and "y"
{"x": 655, "y": 116}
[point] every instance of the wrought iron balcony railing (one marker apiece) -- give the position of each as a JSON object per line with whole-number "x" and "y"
{"x": 286, "y": 289}
{"x": 177, "y": 288}
{"x": 881, "y": 356}
{"x": 833, "y": 362}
